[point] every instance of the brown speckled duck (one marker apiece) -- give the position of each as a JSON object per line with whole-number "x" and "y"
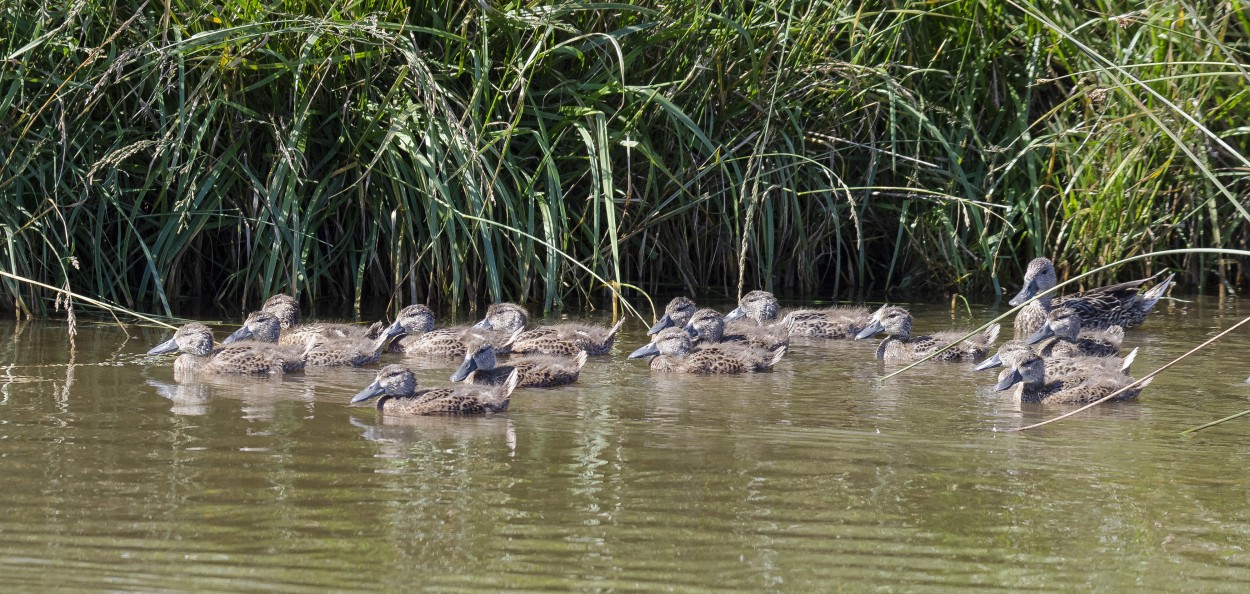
{"x": 509, "y": 318}
{"x": 707, "y": 327}
{"x": 324, "y": 351}
{"x": 195, "y": 342}
{"x": 286, "y": 309}
{"x": 1121, "y": 305}
{"x": 1012, "y": 352}
{"x": 676, "y": 313}
{"x": 900, "y": 345}
{"x": 398, "y": 388}
{"x": 421, "y": 338}
{"x": 672, "y": 350}
{"x": 481, "y": 368}
{"x": 829, "y": 322}
{"x": 1061, "y": 336}
{"x": 1034, "y": 387}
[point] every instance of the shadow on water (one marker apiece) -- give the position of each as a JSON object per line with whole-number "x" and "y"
{"x": 817, "y": 473}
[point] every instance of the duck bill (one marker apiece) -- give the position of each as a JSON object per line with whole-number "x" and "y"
{"x": 990, "y": 363}
{"x": 870, "y": 331}
{"x": 241, "y": 334}
{"x": 484, "y": 325}
{"x": 1009, "y": 380}
{"x": 395, "y": 329}
{"x": 665, "y": 322}
{"x": 469, "y": 366}
{"x": 737, "y": 313}
{"x": 1025, "y": 294}
{"x": 1042, "y": 334}
{"x": 371, "y": 391}
{"x": 168, "y": 346}
{"x": 645, "y": 351}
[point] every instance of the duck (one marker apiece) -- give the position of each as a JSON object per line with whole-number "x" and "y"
{"x": 481, "y": 368}
{"x": 676, "y": 313}
{"x": 830, "y": 322}
{"x": 672, "y": 350}
{"x": 509, "y": 318}
{"x": 1014, "y": 351}
{"x": 1061, "y": 336}
{"x": 900, "y": 345}
{"x": 397, "y": 387}
{"x": 707, "y": 326}
{"x": 1123, "y": 304}
{"x": 421, "y": 338}
{"x": 286, "y": 309}
{"x": 1034, "y": 387}
{"x": 322, "y": 351}
{"x": 195, "y": 342}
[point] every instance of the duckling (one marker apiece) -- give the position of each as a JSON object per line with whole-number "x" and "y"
{"x": 195, "y": 342}
{"x": 420, "y": 337}
{"x": 508, "y": 318}
{"x": 900, "y": 345}
{"x": 1114, "y": 305}
{"x": 1030, "y": 373}
{"x": 286, "y": 309}
{"x": 1014, "y": 351}
{"x": 1061, "y": 336}
{"x": 708, "y": 326}
{"x": 676, "y": 313}
{"x": 672, "y": 350}
{"x": 322, "y": 351}
{"x": 481, "y": 368}
{"x": 829, "y": 322}
{"x": 398, "y": 388}
{"x": 350, "y": 352}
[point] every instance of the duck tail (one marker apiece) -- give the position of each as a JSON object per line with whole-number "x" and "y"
{"x": 1128, "y": 361}
{"x": 991, "y": 333}
{"x": 504, "y": 395}
{"x": 777, "y": 355}
{"x": 1155, "y": 293}
{"x": 616, "y": 327}
{"x": 580, "y": 359}
{"x": 1114, "y": 334}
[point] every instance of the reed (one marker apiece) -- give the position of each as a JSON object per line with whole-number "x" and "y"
{"x": 157, "y": 153}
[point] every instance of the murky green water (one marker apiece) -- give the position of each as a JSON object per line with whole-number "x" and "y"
{"x": 811, "y": 478}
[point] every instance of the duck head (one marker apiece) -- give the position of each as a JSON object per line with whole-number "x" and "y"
{"x": 194, "y": 338}
{"x": 670, "y": 341}
{"x": 414, "y": 320}
{"x": 285, "y": 307}
{"x": 760, "y": 306}
{"x": 676, "y": 313}
{"x": 1039, "y": 277}
{"x": 706, "y": 325}
{"x": 1063, "y": 322}
{"x": 1030, "y": 370}
{"x": 477, "y": 357}
{"x": 1009, "y": 354}
{"x": 261, "y": 325}
{"x": 890, "y": 319}
{"x": 504, "y": 317}
{"x": 392, "y": 380}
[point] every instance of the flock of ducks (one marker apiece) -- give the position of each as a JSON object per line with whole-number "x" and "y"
{"x": 1065, "y": 349}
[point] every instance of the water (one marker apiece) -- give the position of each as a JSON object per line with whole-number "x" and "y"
{"x": 815, "y": 477}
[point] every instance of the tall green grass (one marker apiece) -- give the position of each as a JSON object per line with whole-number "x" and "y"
{"x": 156, "y": 153}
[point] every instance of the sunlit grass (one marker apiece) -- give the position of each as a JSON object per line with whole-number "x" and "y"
{"x": 471, "y": 152}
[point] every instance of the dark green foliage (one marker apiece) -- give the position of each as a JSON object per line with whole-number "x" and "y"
{"x": 483, "y": 151}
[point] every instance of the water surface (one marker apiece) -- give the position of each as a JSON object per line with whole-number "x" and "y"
{"x": 815, "y": 477}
